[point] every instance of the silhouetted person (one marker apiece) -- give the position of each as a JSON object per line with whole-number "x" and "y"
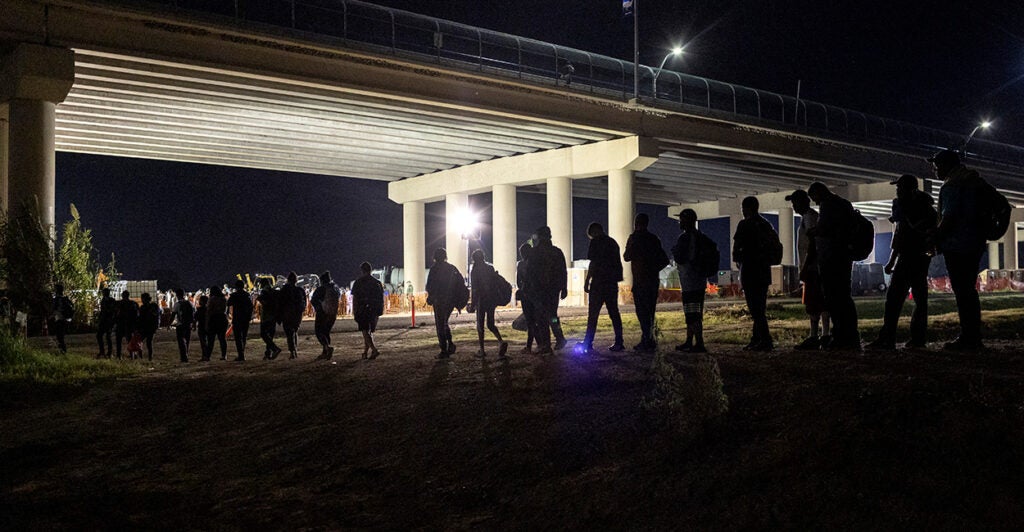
{"x": 127, "y": 315}
{"x": 915, "y": 220}
{"x": 522, "y": 294}
{"x": 441, "y": 281}
{"x": 149, "y": 321}
{"x": 484, "y": 300}
{"x": 368, "y": 306}
{"x": 325, "y": 304}
{"x": 960, "y": 237}
{"x": 105, "y": 323}
{"x": 240, "y": 303}
{"x": 566, "y": 72}
{"x": 270, "y": 313}
{"x": 184, "y": 315}
{"x": 692, "y": 282}
{"x": 548, "y": 282}
{"x": 646, "y": 258}
{"x": 200, "y": 325}
{"x": 61, "y": 313}
{"x": 216, "y": 323}
{"x": 602, "y": 283}
{"x": 752, "y": 248}
{"x": 835, "y": 264}
{"x": 293, "y": 306}
{"x": 810, "y": 277}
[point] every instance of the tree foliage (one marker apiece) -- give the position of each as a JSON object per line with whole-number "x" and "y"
{"x": 75, "y": 268}
{"x": 28, "y": 262}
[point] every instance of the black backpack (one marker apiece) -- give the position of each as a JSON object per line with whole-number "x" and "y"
{"x": 771, "y": 245}
{"x": 459, "y": 290}
{"x": 502, "y": 290}
{"x": 708, "y": 256}
{"x": 996, "y": 212}
{"x": 862, "y": 236}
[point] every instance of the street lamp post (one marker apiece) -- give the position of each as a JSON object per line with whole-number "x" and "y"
{"x": 983, "y": 125}
{"x": 678, "y": 50}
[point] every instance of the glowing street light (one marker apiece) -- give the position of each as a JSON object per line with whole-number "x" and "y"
{"x": 466, "y": 221}
{"x": 985, "y": 124}
{"x": 677, "y": 51}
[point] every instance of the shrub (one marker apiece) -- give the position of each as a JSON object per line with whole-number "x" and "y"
{"x": 686, "y": 405}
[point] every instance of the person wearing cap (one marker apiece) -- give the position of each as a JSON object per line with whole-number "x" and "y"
{"x": 835, "y": 264}
{"x": 292, "y": 306}
{"x": 646, "y": 258}
{"x": 693, "y": 284}
{"x": 325, "y": 300}
{"x": 602, "y": 283}
{"x": 914, "y": 219}
{"x": 807, "y": 253}
{"x": 547, "y": 282}
{"x": 750, "y": 250}
{"x": 960, "y": 238}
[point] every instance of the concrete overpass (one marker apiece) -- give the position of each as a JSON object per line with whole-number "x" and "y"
{"x": 439, "y": 110}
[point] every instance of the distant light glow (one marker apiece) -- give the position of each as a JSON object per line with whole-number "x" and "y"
{"x": 678, "y": 50}
{"x": 466, "y": 222}
{"x": 985, "y": 124}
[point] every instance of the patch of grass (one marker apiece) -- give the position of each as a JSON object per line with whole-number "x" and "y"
{"x": 20, "y": 362}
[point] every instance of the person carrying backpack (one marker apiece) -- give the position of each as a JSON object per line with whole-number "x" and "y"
{"x": 484, "y": 280}
{"x": 696, "y": 256}
{"x": 442, "y": 281}
{"x": 149, "y": 322}
{"x": 325, "y": 305}
{"x": 367, "y": 307}
{"x": 60, "y": 316}
{"x": 964, "y": 200}
{"x": 646, "y": 258}
{"x": 602, "y": 283}
{"x": 184, "y": 314}
{"x": 832, "y": 237}
{"x": 754, "y": 249}
{"x": 914, "y": 219}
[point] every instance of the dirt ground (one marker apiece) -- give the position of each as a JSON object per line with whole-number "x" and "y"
{"x": 811, "y": 440}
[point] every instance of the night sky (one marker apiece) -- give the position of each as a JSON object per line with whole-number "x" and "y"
{"x": 941, "y": 64}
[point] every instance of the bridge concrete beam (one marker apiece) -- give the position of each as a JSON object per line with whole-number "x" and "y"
{"x": 776, "y": 201}
{"x": 33, "y": 79}
{"x": 574, "y": 162}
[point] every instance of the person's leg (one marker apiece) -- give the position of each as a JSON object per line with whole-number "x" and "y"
{"x": 222, "y": 332}
{"x": 291, "y": 334}
{"x": 899, "y": 286}
{"x": 749, "y": 295}
{"x": 919, "y": 288}
{"x": 241, "y": 337}
{"x": 148, "y": 337}
{"x": 99, "y": 340}
{"x": 556, "y": 324}
{"x": 480, "y": 315}
{"x": 366, "y": 341}
{"x": 531, "y": 325}
{"x": 759, "y": 312}
{"x": 447, "y": 327}
{"x": 492, "y": 327}
{"x": 110, "y": 344}
{"x": 611, "y": 303}
{"x": 963, "y": 274}
{"x": 440, "y": 324}
{"x": 369, "y": 336}
{"x": 59, "y": 328}
{"x": 593, "y": 311}
{"x": 850, "y": 308}
{"x": 641, "y": 304}
{"x": 698, "y": 334}
{"x": 183, "y": 334}
{"x": 120, "y": 335}
{"x": 542, "y": 324}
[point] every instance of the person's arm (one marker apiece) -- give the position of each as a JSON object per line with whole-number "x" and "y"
{"x": 738, "y": 243}
{"x": 564, "y": 276}
{"x": 628, "y": 254}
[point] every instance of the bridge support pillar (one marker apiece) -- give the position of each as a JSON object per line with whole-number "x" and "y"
{"x": 33, "y": 79}
{"x": 621, "y": 204}
{"x": 456, "y": 238}
{"x": 993, "y": 255}
{"x": 503, "y": 222}
{"x": 559, "y": 195}
{"x": 414, "y": 244}
{"x": 1010, "y": 246}
{"x": 786, "y": 236}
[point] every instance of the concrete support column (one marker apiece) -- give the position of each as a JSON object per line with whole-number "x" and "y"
{"x": 33, "y": 79}
{"x": 559, "y": 193}
{"x": 32, "y": 171}
{"x": 1010, "y": 247}
{"x": 456, "y": 208}
{"x": 993, "y": 255}
{"x": 621, "y": 204}
{"x": 734, "y": 222}
{"x": 413, "y": 244}
{"x": 503, "y": 222}
{"x": 786, "y": 236}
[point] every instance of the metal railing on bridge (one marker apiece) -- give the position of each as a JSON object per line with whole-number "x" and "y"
{"x": 359, "y": 24}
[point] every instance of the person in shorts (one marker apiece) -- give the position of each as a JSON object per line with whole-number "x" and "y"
{"x": 368, "y": 305}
